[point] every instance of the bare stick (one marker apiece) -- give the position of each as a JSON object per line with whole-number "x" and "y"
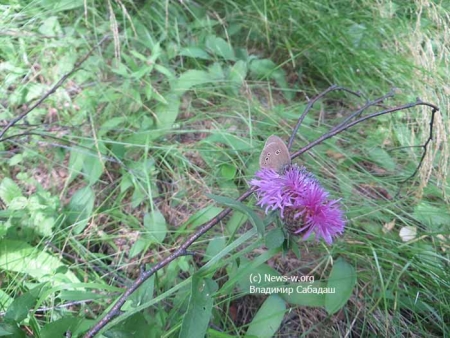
{"x": 182, "y": 250}
{"x": 52, "y": 90}
{"x": 310, "y": 105}
{"x": 340, "y": 129}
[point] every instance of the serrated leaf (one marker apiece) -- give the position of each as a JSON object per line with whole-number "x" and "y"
{"x": 18, "y": 203}
{"x": 50, "y": 26}
{"x": 20, "y": 257}
{"x": 195, "y": 52}
{"x": 219, "y": 47}
{"x": 268, "y": 319}
{"x": 111, "y": 124}
{"x": 216, "y": 72}
{"x": 9, "y": 190}
{"x": 237, "y": 75}
{"x": 197, "y": 317}
{"x": 267, "y": 69}
{"x": 342, "y": 280}
{"x": 156, "y": 225}
{"x": 236, "y": 205}
{"x": 189, "y": 79}
{"x": 80, "y": 208}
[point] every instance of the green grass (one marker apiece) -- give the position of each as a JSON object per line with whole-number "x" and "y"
{"x": 116, "y": 167}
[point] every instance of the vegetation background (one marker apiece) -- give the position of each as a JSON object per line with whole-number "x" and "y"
{"x": 112, "y": 171}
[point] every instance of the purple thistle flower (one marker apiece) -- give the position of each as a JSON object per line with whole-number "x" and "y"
{"x": 303, "y": 203}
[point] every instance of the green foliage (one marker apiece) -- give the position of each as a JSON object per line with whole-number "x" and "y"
{"x": 175, "y": 107}
{"x": 342, "y": 280}
{"x": 268, "y": 319}
{"x": 26, "y": 217}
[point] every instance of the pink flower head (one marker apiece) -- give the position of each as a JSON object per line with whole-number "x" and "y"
{"x": 303, "y": 203}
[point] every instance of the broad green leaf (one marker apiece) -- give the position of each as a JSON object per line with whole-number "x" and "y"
{"x": 236, "y": 205}
{"x": 268, "y": 319}
{"x": 216, "y": 72}
{"x": 43, "y": 223}
{"x": 76, "y": 161}
{"x": 80, "y": 208}
{"x": 232, "y": 141}
{"x": 228, "y": 171}
{"x": 138, "y": 197}
{"x": 237, "y": 75}
{"x": 5, "y": 300}
{"x": 342, "y": 280}
{"x": 235, "y": 221}
{"x": 244, "y": 276}
{"x": 274, "y": 238}
{"x": 267, "y": 69}
{"x": 304, "y": 294}
{"x": 166, "y": 114}
{"x": 139, "y": 246}
{"x": 135, "y": 326}
{"x": 111, "y": 124}
{"x": 58, "y": 328}
{"x": 189, "y": 79}
{"x": 21, "y": 306}
{"x": 93, "y": 167}
{"x": 215, "y": 246}
{"x": 143, "y": 294}
{"x": 50, "y": 26}
{"x": 18, "y": 203}
{"x": 34, "y": 91}
{"x": 11, "y": 330}
{"x": 156, "y": 225}
{"x": 20, "y": 257}
{"x": 196, "y": 319}
{"x": 219, "y": 47}
{"x": 66, "y": 63}
{"x": 203, "y": 215}
{"x": 195, "y": 52}
{"x": 9, "y": 190}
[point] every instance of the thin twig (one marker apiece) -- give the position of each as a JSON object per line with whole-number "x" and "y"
{"x": 181, "y": 251}
{"x": 310, "y": 105}
{"x": 336, "y": 131}
{"x": 58, "y": 84}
